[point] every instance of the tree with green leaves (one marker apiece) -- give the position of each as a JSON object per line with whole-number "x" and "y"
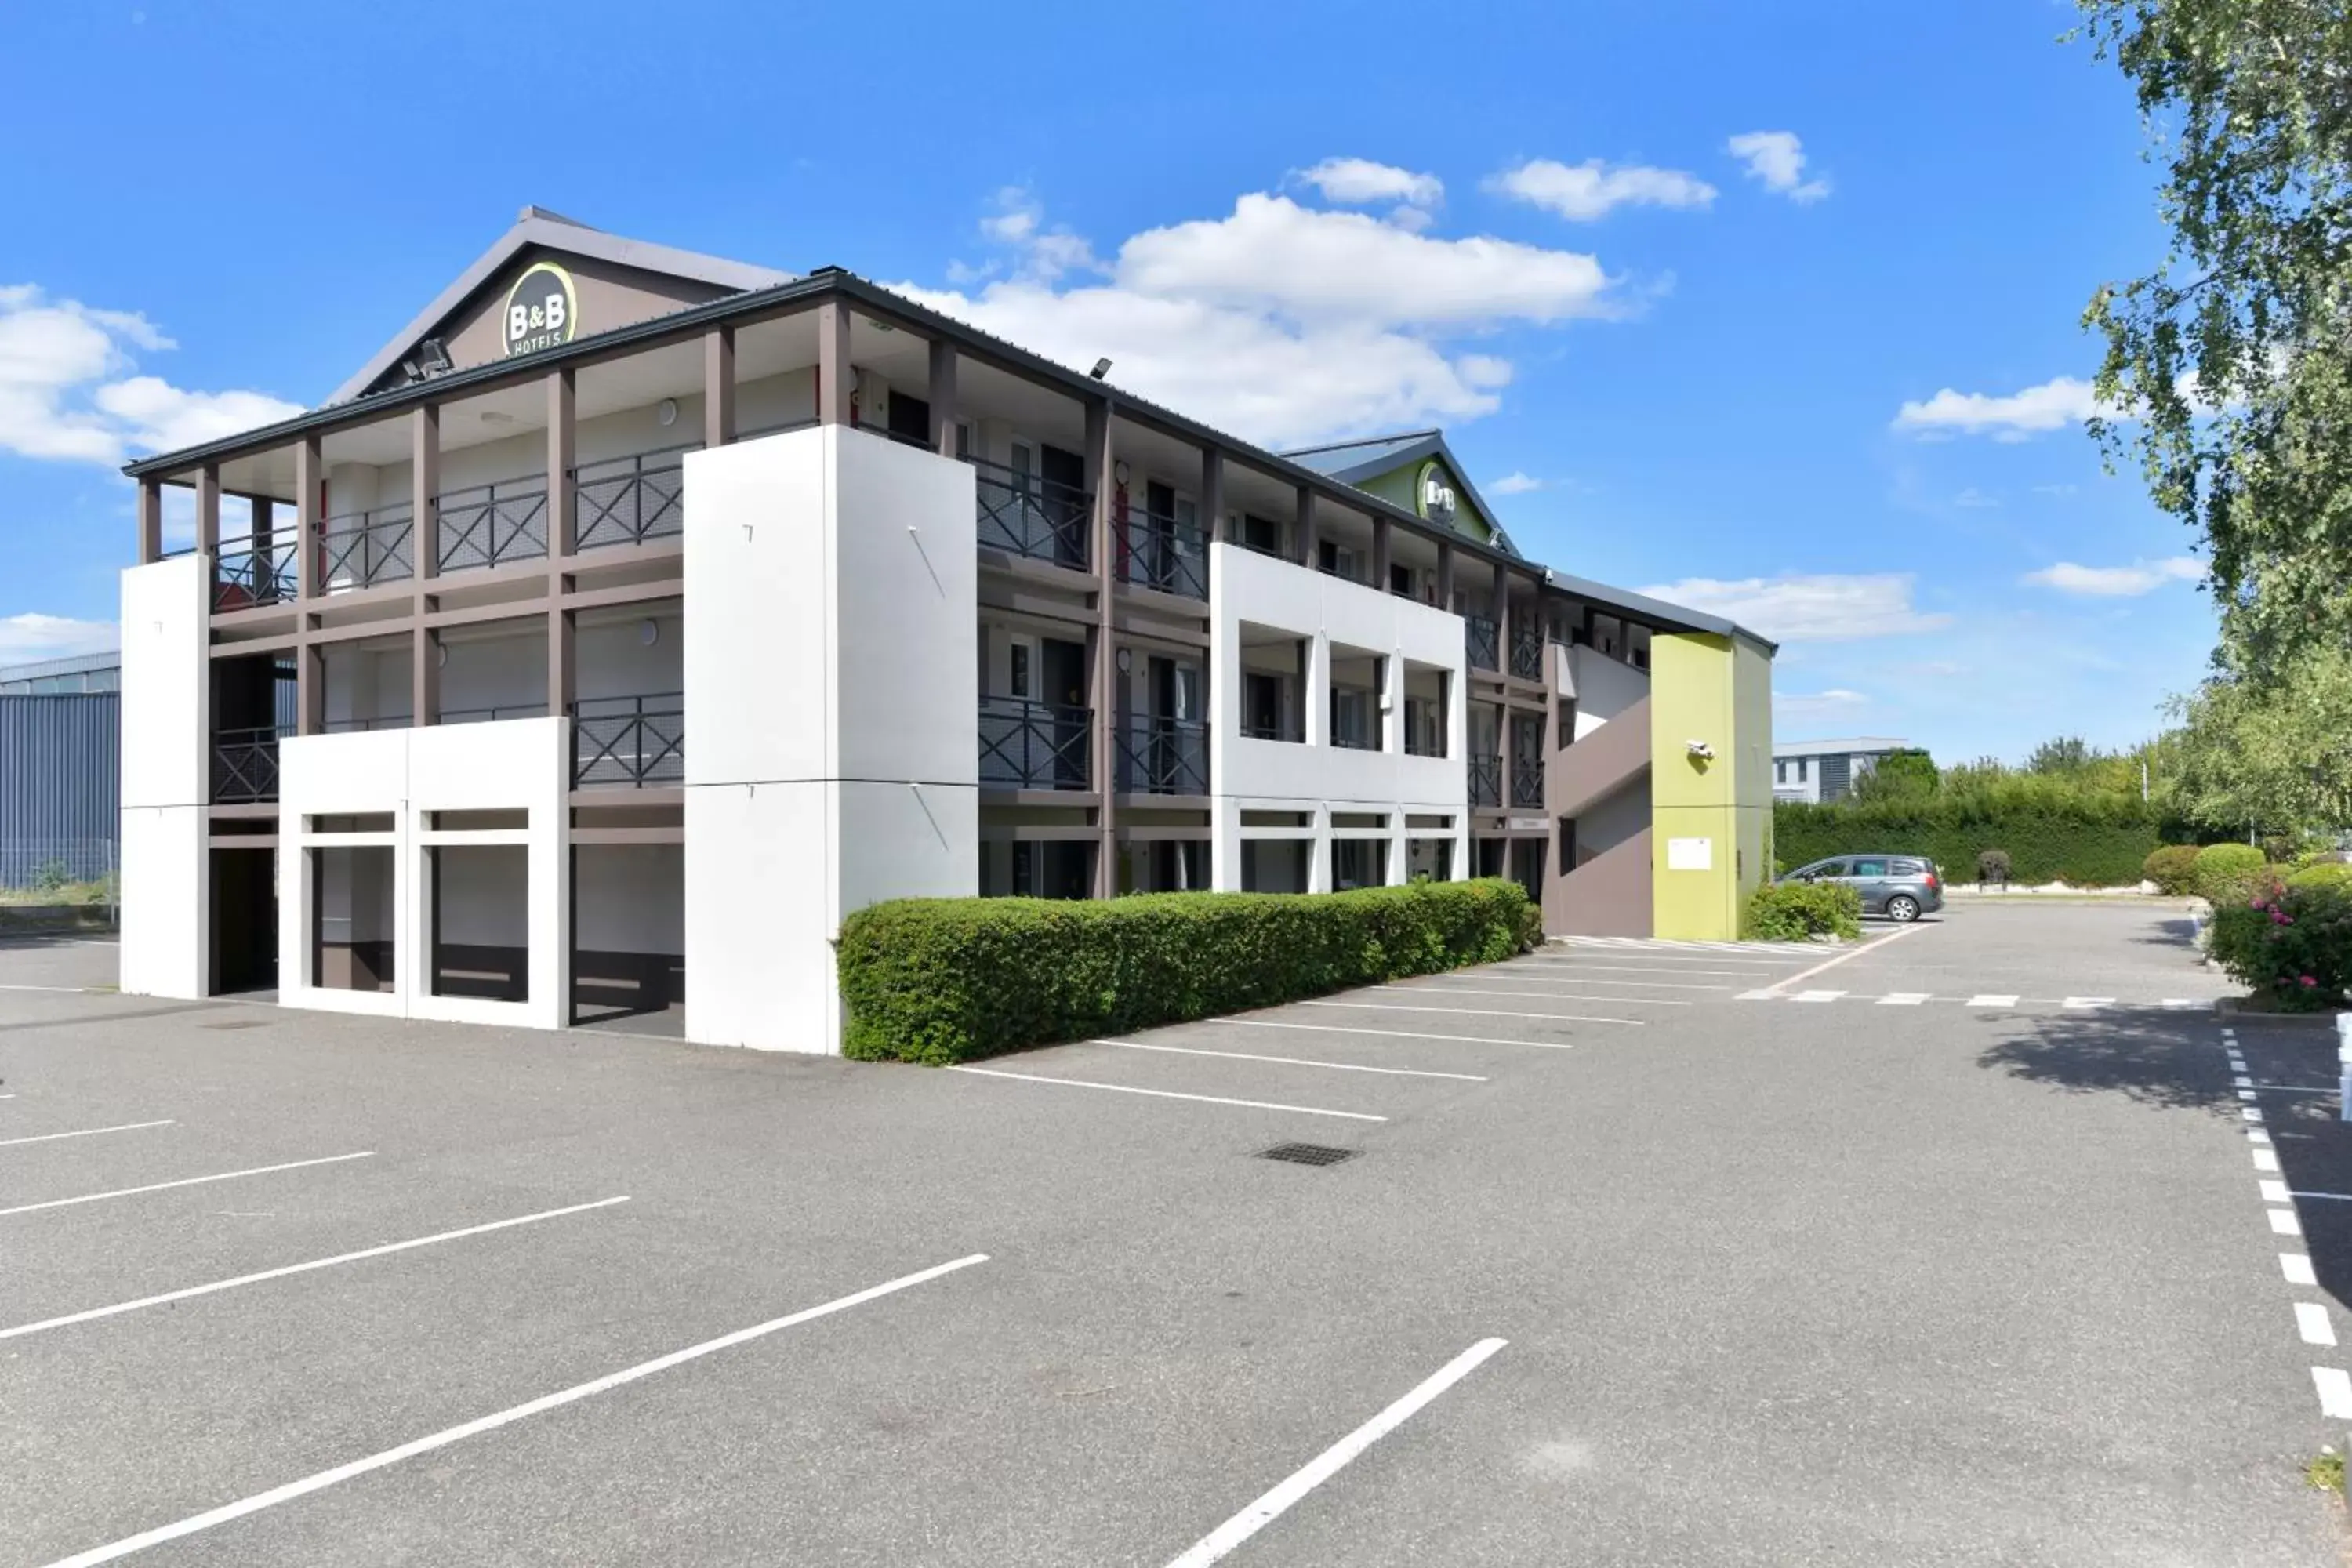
{"x": 2274, "y": 755}
{"x": 2228, "y": 370}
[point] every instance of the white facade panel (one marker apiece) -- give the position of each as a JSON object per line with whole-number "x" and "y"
{"x": 166, "y": 763}
{"x": 166, "y": 937}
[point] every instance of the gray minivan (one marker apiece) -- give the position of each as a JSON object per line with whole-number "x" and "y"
{"x": 1900, "y": 887}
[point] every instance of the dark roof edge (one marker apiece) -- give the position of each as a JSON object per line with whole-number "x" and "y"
{"x": 1649, "y": 609}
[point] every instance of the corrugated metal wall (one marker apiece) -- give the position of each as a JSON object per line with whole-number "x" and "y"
{"x": 61, "y": 787}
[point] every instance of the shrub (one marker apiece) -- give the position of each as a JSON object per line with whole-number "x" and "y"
{"x": 2049, "y": 833}
{"x": 2172, "y": 869}
{"x": 1798, "y": 911}
{"x": 2291, "y": 946}
{"x": 946, "y": 980}
{"x": 2230, "y": 873}
{"x": 1992, "y": 865}
{"x": 2322, "y": 873}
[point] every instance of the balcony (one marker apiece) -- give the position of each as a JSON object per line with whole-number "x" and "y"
{"x": 1264, "y": 728}
{"x": 255, "y": 576}
{"x": 1481, "y": 642}
{"x": 1526, "y": 653}
{"x": 362, "y": 548}
{"x": 1424, "y": 744}
{"x": 1026, "y": 744}
{"x": 1485, "y": 779}
{"x": 357, "y": 726}
{"x": 632, "y": 742}
{"x": 1527, "y": 782}
{"x": 490, "y": 525}
{"x": 1161, "y": 553}
{"x": 1034, "y": 518}
{"x": 493, "y": 715}
{"x": 628, "y": 501}
{"x": 1163, "y": 756}
{"x": 244, "y": 766}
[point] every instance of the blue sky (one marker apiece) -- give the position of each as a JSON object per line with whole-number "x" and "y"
{"x": 1772, "y": 309}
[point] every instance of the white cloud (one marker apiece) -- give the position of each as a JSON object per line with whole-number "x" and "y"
{"x": 1778, "y": 159}
{"x": 1802, "y": 607}
{"x": 66, "y": 390}
{"x": 1582, "y": 192}
{"x": 33, "y": 635}
{"x": 1359, "y": 182}
{"x": 2117, "y": 582}
{"x": 1281, "y": 323}
{"x": 2052, "y": 404}
{"x": 1816, "y": 704}
{"x": 1040, "y": 253}
{"x": 1975, "y": 499}
{"x": 1515, "y": 484}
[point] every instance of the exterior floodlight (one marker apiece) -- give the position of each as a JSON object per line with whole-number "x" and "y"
{"x": 1101, "y": 369}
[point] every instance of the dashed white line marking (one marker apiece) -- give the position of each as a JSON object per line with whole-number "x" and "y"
{"x": 195, "y": 1291}
{"x": 1817, "y": 996}
{"x": 186, "y": 1182}
{"x": 1990, "y": 1001}
{"x": 1169, "y": 1094}
{"x": 2245, "y": 1094}
{"x": 1400, "y": 1034}
{"x": 1288, "y": 1061}
{"x": 475, "y": 1428}
{"x": 2283, "y": 1223}
{"x": 2264, "y": 1159}
{"x": 2243, "y": 1081}
{"x": 2275, "y": 1193}
{"x": 2081, "y": 1002}
{"x": 2299, "y": 1088}
{"x": 2335, "y": 1392}
{"x": 1425, "y": 990}
{"x": 1903, "y": 998}
{"x": 84, "y": 1132}
{"x": 1219, "y": 1542}
{"x": 2311, "y": 1322}
{"x": 1765, "y": 995}
{"x": 1848, "y": 956}
{"x": 1471, "y": 1012}
{"x": 2251, "y": 1113}
{"x": 2256, "y": 1135}
{"x": 2297, "y": 1267}
{"x": 2181, "y": 1002}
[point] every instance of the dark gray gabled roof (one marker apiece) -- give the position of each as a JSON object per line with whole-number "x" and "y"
{"x": 553, "y": 231}
{"x": 1352, "y": 462}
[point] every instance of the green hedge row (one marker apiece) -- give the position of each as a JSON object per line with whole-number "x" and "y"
{"x": 1800, "y": 911}
{"x": 946, "y": 980}
{"x": 2094, "y": 845}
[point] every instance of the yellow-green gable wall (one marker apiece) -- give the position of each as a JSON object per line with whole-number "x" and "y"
{"x": 1717, "y": 691}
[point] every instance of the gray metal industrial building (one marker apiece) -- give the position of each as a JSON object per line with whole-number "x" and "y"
{"x": 61, "y": 747}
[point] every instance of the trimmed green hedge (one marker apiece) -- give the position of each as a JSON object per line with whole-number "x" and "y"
{"x": 947, "y": 980}
{"x": 2232, "y": 873}
{"x": 1799, "y": 912}
{"x": 2172, "y": 869}
{"x": 2089, "y": 841}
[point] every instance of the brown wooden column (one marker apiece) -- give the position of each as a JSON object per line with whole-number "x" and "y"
{"x": 310, "y": 490}
{"x": 425, "y": 493}
{"x": 718, "y": 386}
{"x": 1444, "y": 576}
{"x": 424, "y": 677}
{"x": 941, "y": 393}
{"x": 1105, "y": 671}
{"x": 1212, "y": 496}
{"x": 309, "y": 687}
{"x": 834, "y": 374}
{"x": 1381, "y": 544}
{"x": 151, "y": 520}
{"x": 208, "y": 509}
{"x": 562, "y": 450}
{"x": 1307, "y": 532}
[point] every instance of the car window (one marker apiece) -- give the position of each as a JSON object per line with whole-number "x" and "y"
{"x": 1822, "y": 868}
{"x": 1906, "y": 867}
{"x": 1870, "y": 868}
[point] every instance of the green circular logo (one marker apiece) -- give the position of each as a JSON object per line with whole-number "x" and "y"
{"x": 1433, "y": 493}
{"x": 542, "y": 311}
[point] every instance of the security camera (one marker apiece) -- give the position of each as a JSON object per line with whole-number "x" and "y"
{"x": 1700, "y": 750}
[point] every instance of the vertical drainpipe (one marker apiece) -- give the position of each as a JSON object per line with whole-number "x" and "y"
{"x": 1098, "y": 464}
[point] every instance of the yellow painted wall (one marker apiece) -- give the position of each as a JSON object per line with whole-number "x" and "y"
{"x": 1716, "y": 691}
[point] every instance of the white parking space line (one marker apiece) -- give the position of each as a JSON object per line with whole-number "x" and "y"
{"x": 1992, "y": 1001}
{"x": 2265, "y": 1159}
{"x": 1288, "y": 1061}
{"x": 1216, "y": 1546}
{"x": 1736, "y": 972}
{"x": 2245, "y": 1094}
{"x": 186, "y": 1182}
{"x": 1848, "y": 956}
{"x": 2081, "y": 1002}
{"x": 1759, "y": 997}
{"x": 1469, "y": 1012}
{"x": 2297, "y": 1267}
{"x": 2241, "y": 1081}
{"x": 2311, "y": 1322}
{"x": 2335, "y": 1392}
{"x": 1169, "y": 1094}
{"x": 1903, "y": 998}
{"x": 2183, "y": 1002}
{"x": 2326, "y": 1197}
{"x": 85, "y": 1132}
{"x": 1401, "y": 1034}
{"x": 1525, "y": 978}
{"x": 196, "y": 1523}
{"x": 195, "y": 1291}
{"x": 2299, "y": 1088}
{"x": 2283, "y": 1223}
{"x": 2275, "y": 1193}
{"x": 1539, "y": 995}
{"x": 1817, "y": 996}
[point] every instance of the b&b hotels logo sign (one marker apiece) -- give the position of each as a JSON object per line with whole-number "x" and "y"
{"x": 542, "y": 311}
{"x": 1432, "y": 491}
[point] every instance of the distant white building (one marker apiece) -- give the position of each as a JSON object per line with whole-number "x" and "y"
{"x": 1827, "y": 770}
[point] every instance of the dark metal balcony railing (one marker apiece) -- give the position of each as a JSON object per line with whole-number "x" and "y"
{"x": 628, "y": 501}
{"x": 256, "y": 574}
{"x": 632, "y": 742}
{"x": 1418, "y": 745}
{"x": 490, "y": 525}
{"x": 245, "y": 765}
{"x": 1160, "y": 553}
{"x": 1163, "y": 756}
{"x": 492, "y": 715}
{"x": 361, "y": 549}
{"x": 1035, "y": 745}
{"x": 353, "y": 726}
{"x": 1485, "y": 779}
{"x": 1480, "y": 642}
{"x": 1260, "y": 731}
{"x": 1527, "y": 652}
{"x": 1023, "y": 514}
{"x": 1526, "y": 782}
{"x": 1355, "y": 739}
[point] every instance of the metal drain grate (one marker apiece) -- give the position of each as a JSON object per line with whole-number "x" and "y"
{"x": 1309, "y": 1153}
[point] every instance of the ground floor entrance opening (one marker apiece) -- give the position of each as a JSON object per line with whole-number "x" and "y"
{"x": 628, "y": 937}
{"x": 244, "y": 920}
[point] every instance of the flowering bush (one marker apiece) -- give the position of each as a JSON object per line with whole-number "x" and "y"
{"x": 2290, "y": 945}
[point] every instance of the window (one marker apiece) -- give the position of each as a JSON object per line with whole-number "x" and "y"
{"x": 1568, "y": 860}
{"x": 1262, "y": 706}
{"x": 1780, "y": 770}
{"x": 1802, "y": 763}
{"x": 1351, "y": 717}
{"x": 1567, "y": 720}
{"x": 1262, "y": 533}
{"x": 1022, "y": 679}
{"x": 1401, "y": 580}
{"x": 1868, "y": 869}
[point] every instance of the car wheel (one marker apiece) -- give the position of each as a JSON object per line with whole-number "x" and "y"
{"x": 1903, "y": 909}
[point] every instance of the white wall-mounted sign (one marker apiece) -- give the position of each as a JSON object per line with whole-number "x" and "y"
{"x": 1690, "y": 854}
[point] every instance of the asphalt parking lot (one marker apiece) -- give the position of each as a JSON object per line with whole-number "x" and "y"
{"x": 1640, "y": 1254}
